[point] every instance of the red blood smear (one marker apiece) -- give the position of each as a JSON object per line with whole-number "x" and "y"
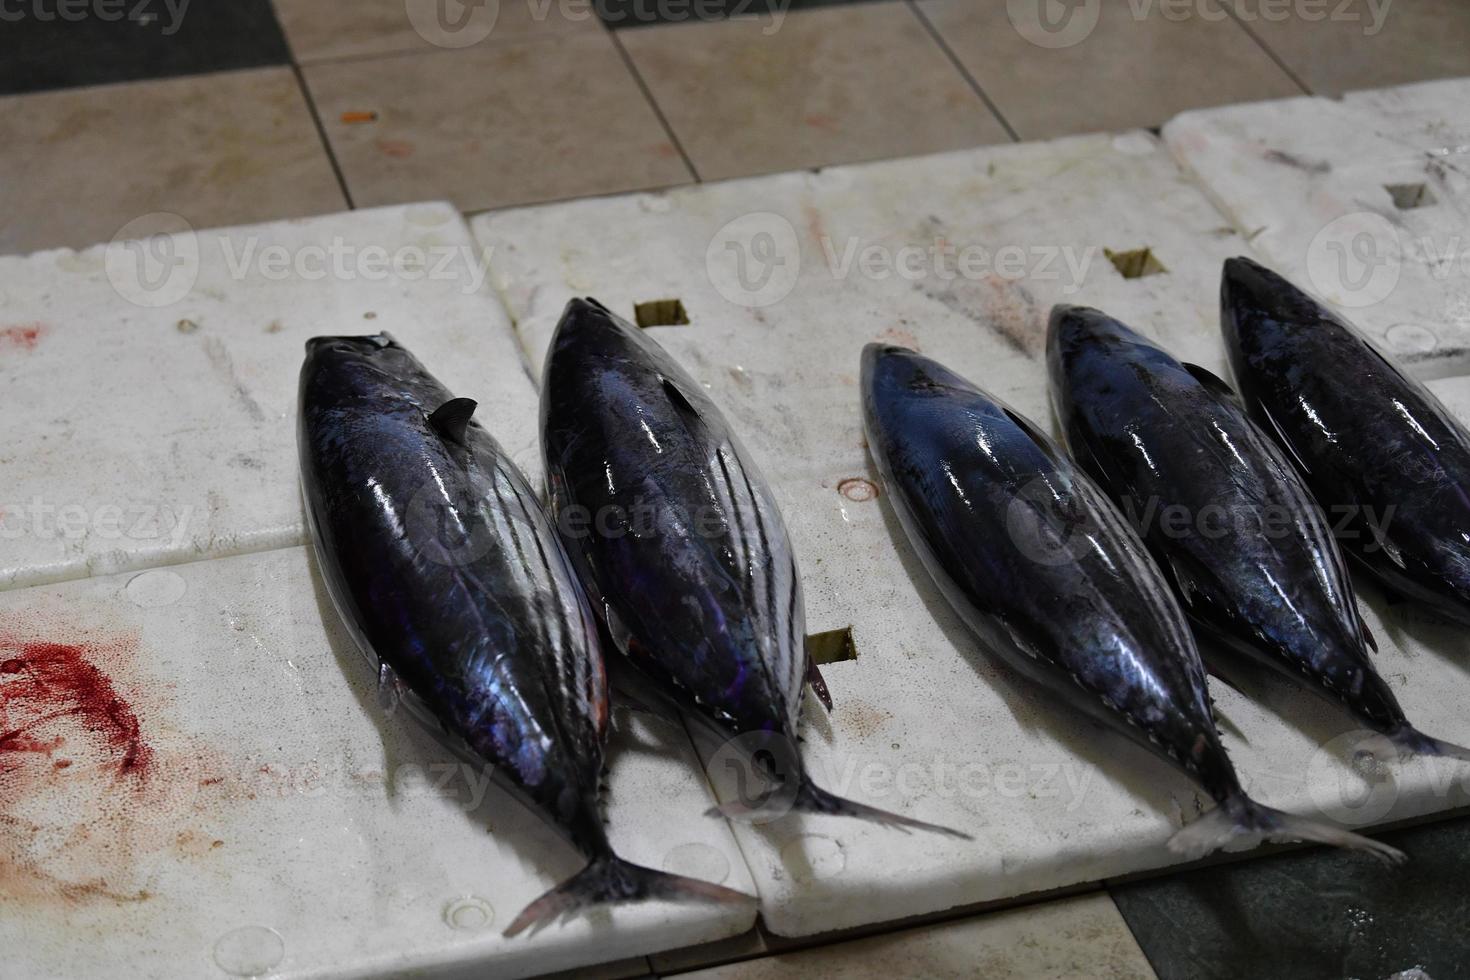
{"x": 24, "y": 335}
{"x": 50, "y": 683}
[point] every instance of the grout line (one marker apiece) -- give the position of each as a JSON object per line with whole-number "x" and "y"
{"x": 421, "y": 50}
{"x": 653, "y": 104}
{"x": 959, "y": 66}
{"x": 1280, "y": 62}
{"x": 1128, "y": 925}
{"x": 321, "y": 131}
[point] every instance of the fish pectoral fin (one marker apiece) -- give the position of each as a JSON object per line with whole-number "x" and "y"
{"x": 1368, "y": 636}
{"x": 390, "y": 689}
{"x": 452, "y": 418}
{"x": 1213, "y": 383}
{"x": 819, "y": 684}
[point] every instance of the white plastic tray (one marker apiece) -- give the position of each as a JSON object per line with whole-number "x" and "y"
{"x": 1308, "y": 181}
{"x": 280, "y": 801}
{"x": 923, "y": 723}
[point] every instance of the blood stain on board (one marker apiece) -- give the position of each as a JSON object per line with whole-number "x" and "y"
{"x": 22, "y": 336}
{"x": 56, "y": 686}
{"x": 89, "y": 798}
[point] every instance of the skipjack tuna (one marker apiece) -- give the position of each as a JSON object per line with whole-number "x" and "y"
{"x": 1252, "y": 558}
{"x": 1375, "y": 446}
{"x": 1052, "y": 580}
{"x": 486, "y": 639}
{"x": 704, "y": 599}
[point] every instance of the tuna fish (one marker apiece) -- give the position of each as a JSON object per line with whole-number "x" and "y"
{"x": 1235, "y": 530}
{"x": 683, "y": 551}
{"x": 1383, "y": 457}
{"x": 1054, "y": 582}
{"x": 452, "y": 581}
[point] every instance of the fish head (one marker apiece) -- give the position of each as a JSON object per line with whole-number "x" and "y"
{"x": 1261, "y": 312}
{"x": 351, "y": 367}
{"x": 1091, "y": 357}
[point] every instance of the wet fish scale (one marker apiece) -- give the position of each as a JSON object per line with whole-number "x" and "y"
{"x": 1373, "y": 444}
{"x": 1253, "y": 559}
{"x": 1053, "y": 581}
{"x": 705, "y": 605}
{"x": 451, "y": 578}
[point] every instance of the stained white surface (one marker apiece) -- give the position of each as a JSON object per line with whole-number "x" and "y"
{"x": 1307, "y": 181}
{"x": 333, "y": 858}
{"x": 138, "y": 434}
{"x": 282, "y": 824}
{"x": 924, "y": 723}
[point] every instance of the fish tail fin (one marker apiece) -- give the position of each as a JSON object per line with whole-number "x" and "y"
{"x": 610, "y": 879}
{"x": 811, "y": 798}
{"x": 1241, "y": 818}
{"x": 1409, "y": 739}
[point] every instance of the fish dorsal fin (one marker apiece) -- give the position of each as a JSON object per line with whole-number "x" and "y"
{"x": 676, "y": 395}
{"x": 1212, "y": 383}
{"x": 1043, "y": 441}
{"x": 451, "y": 418}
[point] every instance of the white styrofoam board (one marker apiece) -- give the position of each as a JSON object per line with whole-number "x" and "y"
{"x": 924, "y": 723}
{"x": 1304, "y": 179}
{"x": 286, "y": 826}
{"x": 145, "y": 426}
{"x": 132, "y": 414}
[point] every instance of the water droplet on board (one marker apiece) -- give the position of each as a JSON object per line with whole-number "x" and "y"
{"x": 813, "y": 857}
{"x": 697, "y": 860}
{"x": 469, "y": 914}
{"x": 857, "y": 489}
{"x": 1411, "y": 338}
{"x": 249, "y": 952}
{"x": 155, "y": 588}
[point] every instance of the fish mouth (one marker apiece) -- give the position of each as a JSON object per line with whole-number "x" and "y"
{"x": 1246, "y": 283}
{"x": 1070, "y": 326}
{"x": 362, "y": 344}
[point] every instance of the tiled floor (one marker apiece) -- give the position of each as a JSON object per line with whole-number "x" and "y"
{"x": 236, "y": 112}
{"x": 501, "y": 102}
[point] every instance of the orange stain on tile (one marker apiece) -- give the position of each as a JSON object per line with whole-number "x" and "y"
{"x": 398, "y": 149}
{"x": 23, "y": 336}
